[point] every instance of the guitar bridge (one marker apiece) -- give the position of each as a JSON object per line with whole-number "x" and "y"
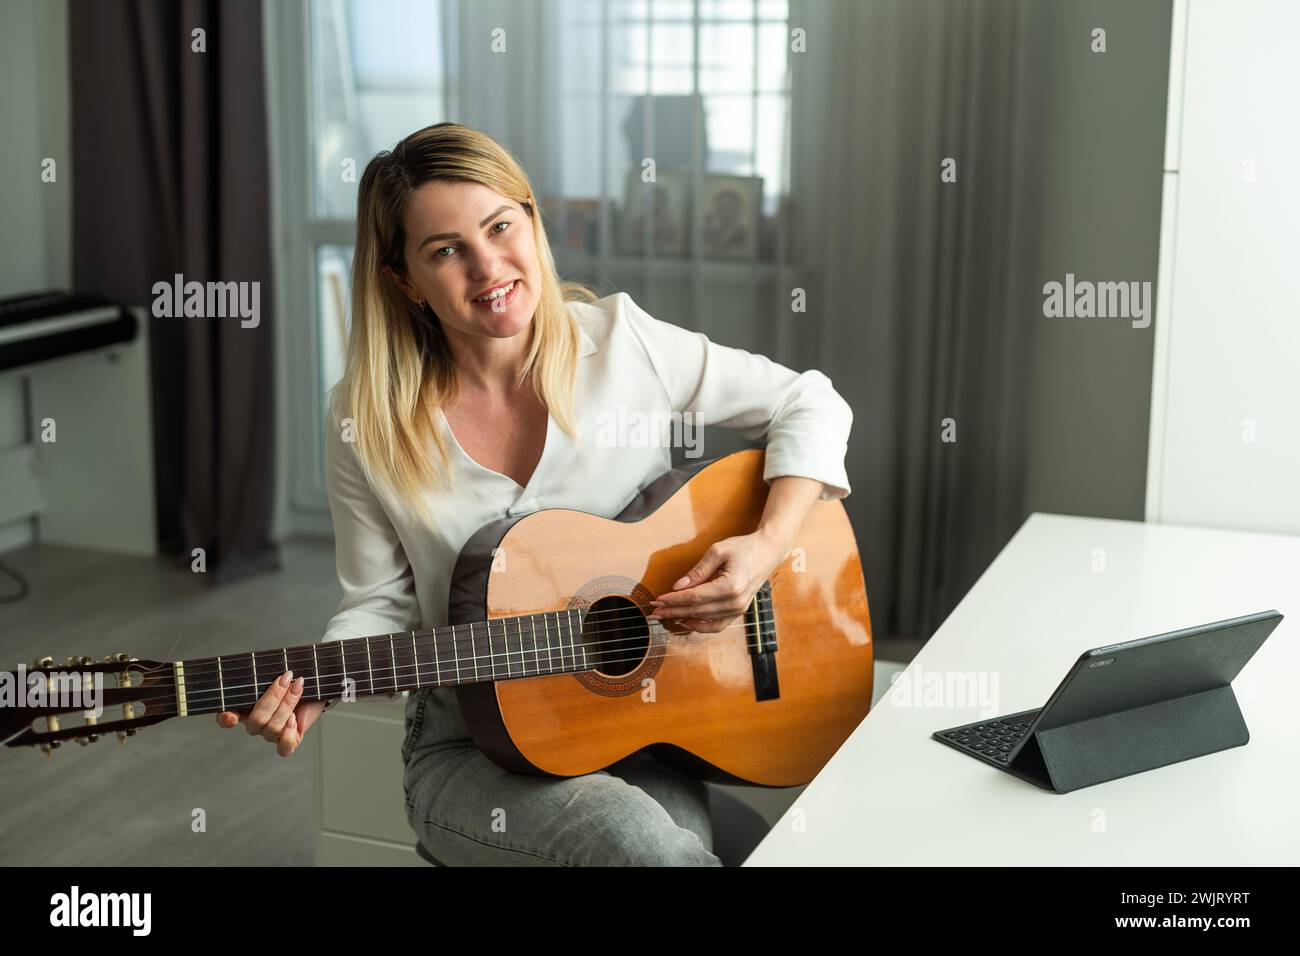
{"x": 760, "y": 636}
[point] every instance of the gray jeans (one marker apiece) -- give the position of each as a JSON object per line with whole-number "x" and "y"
{"x": 467, "y": 811}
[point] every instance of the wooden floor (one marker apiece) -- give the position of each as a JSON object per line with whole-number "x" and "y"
{"x": 111, "y": 804}
{"x": 121, "y": 804}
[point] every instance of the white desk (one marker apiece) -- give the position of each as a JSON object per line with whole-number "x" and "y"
{"x": 892, "y": 796}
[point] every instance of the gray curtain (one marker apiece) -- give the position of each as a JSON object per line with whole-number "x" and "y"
{"x": 924, "y": 296}
{"x": 170, "y": 174}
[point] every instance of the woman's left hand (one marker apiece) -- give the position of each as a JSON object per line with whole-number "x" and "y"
{"x": 718, "y": 590}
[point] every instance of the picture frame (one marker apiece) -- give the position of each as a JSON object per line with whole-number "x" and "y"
{"x": 671, "y": 222}
{"x": 732, "y": 216}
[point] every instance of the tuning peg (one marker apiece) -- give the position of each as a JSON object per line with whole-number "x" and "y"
{"x": 71, "y": 661}
{"x": 43, "y": 662}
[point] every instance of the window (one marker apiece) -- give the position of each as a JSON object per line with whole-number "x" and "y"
{"x": 702, "y": 86}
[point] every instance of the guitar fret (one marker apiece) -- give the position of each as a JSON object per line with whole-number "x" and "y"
{"x": 392, "y": 652}
{"x": 566, "y": 654}
{"x": 497, "y": 655}
{"x": 315, "y": 663}
{"x": 473, "y": 649}
{"x": 455, "y": 652}
{"x": 253, "y": 655}
{"x": 221, "y": 684}
{"x": 415, "y": 656}
{"x": 580, "y": 645}
{"x": 505, "y": 645}
{"x": 537, "y": 659}
{"x": 550, "y": 649}
{"x": 370, "y": 666}
{"x": 492, "y": 655}
{"x": 523, "y": 658}
{"x": 343, "y": 666}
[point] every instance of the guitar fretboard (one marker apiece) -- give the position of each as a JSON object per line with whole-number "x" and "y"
{"x": 531, "y": 645}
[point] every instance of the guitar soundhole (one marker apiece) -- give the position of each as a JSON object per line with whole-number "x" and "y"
{"x": 616, "y": 635}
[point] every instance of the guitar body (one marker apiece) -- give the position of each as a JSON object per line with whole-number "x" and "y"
{"x": 704, "y": 702}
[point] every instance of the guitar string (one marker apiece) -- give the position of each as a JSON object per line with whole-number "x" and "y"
{"x": 442, "y": 634}
{"x": 303, "y": 657}
{"x": 250, "y": 702}
{"x": 302, "y": 654}
{"x": 207, "y": 696}
{"x": 441, "y": 631}
{"x": 441, "y": 641}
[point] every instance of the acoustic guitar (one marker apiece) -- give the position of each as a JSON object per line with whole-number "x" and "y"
{"x": 557, "y": 670}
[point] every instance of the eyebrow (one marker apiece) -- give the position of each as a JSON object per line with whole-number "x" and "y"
{"x": 456, "y": 235}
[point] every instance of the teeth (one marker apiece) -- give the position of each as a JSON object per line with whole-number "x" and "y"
{"x": 504, "y": 290}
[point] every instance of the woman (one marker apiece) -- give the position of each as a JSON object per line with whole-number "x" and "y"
{"x": 461, "y": 404}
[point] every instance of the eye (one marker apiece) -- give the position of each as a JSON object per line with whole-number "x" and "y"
{"x": 437, "y": 253}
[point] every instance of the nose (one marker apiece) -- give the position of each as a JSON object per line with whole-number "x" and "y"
{"x": 485, "y": 263}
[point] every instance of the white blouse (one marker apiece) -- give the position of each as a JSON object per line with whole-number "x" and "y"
{"x": 633, "y": 371}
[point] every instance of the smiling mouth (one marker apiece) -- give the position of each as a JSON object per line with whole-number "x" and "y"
{"x": 502, "y": 298}
{"x": 500, "y": 292}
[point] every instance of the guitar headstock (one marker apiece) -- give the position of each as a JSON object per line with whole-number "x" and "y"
{"x": 44, "y": 704}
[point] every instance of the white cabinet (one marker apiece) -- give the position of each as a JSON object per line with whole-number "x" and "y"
{"x": 360, "y": 808}
{"x": 1225, "y": 410}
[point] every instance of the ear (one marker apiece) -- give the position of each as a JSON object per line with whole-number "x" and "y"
{"x": 402, "y": 284}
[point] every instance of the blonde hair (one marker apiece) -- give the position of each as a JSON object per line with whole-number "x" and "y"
{"x": 399, "y": 368}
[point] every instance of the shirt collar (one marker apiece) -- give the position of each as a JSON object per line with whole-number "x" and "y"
{"x": 585, "y": 343}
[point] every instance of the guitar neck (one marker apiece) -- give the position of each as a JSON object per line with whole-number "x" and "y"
{"x": 531, "y": 645}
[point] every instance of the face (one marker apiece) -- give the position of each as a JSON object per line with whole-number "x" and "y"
{"x": 462, "y": 240}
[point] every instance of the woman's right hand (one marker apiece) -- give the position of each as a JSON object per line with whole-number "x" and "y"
{"x": 278, "y": 717}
